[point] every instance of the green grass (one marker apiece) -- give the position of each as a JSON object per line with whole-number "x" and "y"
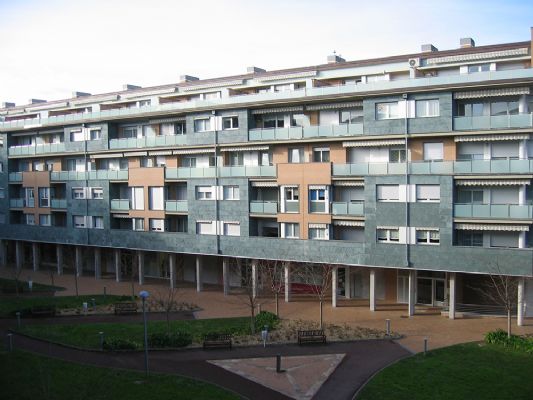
{"x": 9, "y": 286}
{"x": 86, "y": 335}
{"x": 24, "y": 376}
{"x": 10, "y": 305}
{"x": 465, "y": 371}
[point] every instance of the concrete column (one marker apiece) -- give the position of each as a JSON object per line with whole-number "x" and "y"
{"x": 140, "y": 264}
{"x": 199, "y": 268}
{"x": 2, "y": 253}
{"x": 451, "y": 295}
{"x": 117, "y": 265}
{"x": 19, "y": 254}
{"x": 412, "y": 286}
{"x": 97, "y": 263}
{"x": 225, "y": 275}
{"x": 254, "y": 279}
{"x": 36, "y": 256}
{"x": 79, "y": 260}
{"x": 287, "y": 273}
{"x": 520, "y": 305}
{"x": 172, "y": 269}
{"x": 59, "y": 259}
{"x": 347, "y": 283}
{"x": 372, "y": 289}
{"x": 334, "y": 285}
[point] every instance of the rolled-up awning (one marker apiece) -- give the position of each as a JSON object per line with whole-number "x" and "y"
{"x": 166, "y": 120}
{"x": 193, "y": 151}
{"x": 318, "y": 226}
{"x": 106, "y": 155}
{"x": 338, "y": 222}
{"x": 277, "y": 110}
{"x": 245, "y": 148}
{"x": 490, "y": 138}
{"x": 160, "y": 153}
{"x": 349, "y": 183}
{"x": 374, "y": 143}
{"x": 318, "y": 187}
{"x": 136, "y": 154}
{"x": 492, "y": 227}
{"x": 303, "y": 74}
{"x": 478, "y": 94}
{"x": 488, "y": 182}
{"x": 334, "y": 106}
{"x": 121, "y": 216}
{"x": 264, "y": 184}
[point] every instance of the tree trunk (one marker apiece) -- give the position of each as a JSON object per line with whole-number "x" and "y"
{"x": 76, "y": 283}
{"x": 168, "y": 322}
{"x": 277, "y": 304}
{"x": 509, "y": 323}
{"x": 252, "y": 319}
{"x": 320, "y": 313}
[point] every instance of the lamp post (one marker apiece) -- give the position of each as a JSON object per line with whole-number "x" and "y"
{"x": 144, "y": 295}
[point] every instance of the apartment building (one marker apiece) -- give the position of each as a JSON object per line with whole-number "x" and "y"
{"x": 411, "y": 173}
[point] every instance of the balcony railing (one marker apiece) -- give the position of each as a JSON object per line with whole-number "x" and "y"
{"x": 111, "y": 175}
{"x": 292, "y": 206}
{"x": 176, "y": 206}
{"x": 15, "y": 177}
{"x": 515, "y": 211}
{"x": 58, "y": 203}
{"x": 263, "y": 207}
{"x": 120, "y": 204}
{"x": 347, "y": 208}
{"x": 249, "y": 170}
{"x": 299, "y": 132}
{"x": 16, "y": 203}
{"x": 493, "y": 122}
{"x": 317, "y": 207}
{"x": 210, "y": 172}
{"x": 36, "y": 149}
{"x": 147, "y": 141}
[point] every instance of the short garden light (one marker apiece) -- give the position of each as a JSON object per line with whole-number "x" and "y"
{"x": 144, "y": 295}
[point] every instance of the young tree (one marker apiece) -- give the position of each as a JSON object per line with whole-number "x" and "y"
{"x": 168, "y": 300}
{"x": 249, "y": 295}
{"x": 273, "y": 271}
{"x": 319, "y": 278}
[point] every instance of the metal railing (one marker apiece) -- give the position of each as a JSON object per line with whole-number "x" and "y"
{"x": 263, "y": 207}
{"x": 176, "y": 206}
{"x": 493, "y": 211}
{"x": 347, "y": 208}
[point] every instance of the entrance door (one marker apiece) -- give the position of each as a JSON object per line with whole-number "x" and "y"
{"x": 341, "y": 282}
{"x": 424, "y": 291}
{"x": 403, "y": 288}
{"x": 439, "y": 292}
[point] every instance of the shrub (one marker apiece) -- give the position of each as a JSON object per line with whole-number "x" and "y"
{"x": 498, "y": 336}
{"x": 266, "y": 318}
{"x": 120, "y": 344}
{"x": 521, "y": 343}
{"x": 175, "y": 339}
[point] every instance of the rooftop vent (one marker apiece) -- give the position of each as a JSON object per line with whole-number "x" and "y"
{"x": 36, "y": 101}
{"x": 255, "y": 70}
{"x": 7, "y": 104}
{"x": 428, "y": 48}
{"x": 127, "y": 86}
{"x": 80, "y": 94}
{"x": 188, "y": 78}
{"x": 467, "y": 42}
{"x": 334, "y": 58}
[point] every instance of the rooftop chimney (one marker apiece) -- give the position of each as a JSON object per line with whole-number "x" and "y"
{"x": 467, "y": 42}
{"x": 428, "y": 48}
{"x": 36, "y": 101}
{"x": 80, "y": 94}
{"x": 334, "y": 58}
{"x": 255, "y": 70}
{"x": 188, "y": 78}
{"x": 127, "y": 86}
{"x": 7, "y": 104}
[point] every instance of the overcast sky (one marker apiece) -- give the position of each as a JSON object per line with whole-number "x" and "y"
{"x": 49, "y": 48}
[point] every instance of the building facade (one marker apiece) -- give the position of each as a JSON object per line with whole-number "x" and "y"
{"x": 412, "y": 174}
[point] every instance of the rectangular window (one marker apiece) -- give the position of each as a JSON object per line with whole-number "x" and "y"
{"x": 469, "y": 238}
{"x": 317, "y": 195}
{"x": 205, "y": 228}
{"x": 188, "y": 162}
{"x": 296, "y": 155}
{"x": 292, "y": 230}
{"x": 137, "y": 198}
{"x": 427, "y": 236}
{"x": 388, "y": 192}
{"x": 236, "y": 158}
{"x": 291, "y": 194}
{"x": 147, "y": 162}
{"x": 433, "y": 151}
{"x": 352, "y": 116}
{"x": 478, "y": 68}
{"x": 428, "y": 193}
{"x": 156, "y": 198}
{"x": 388, "y": 110}
{"x": 273, "y": 121}
{"x": 95, "y": 134}
{"x": 230, "y": 123}
{"x": 427, "y": 108}
{"x": 470, "y": 196}
{"x": 30, "y": 219}
{"x": 2, "y": 193}
{"x": 231, "y": 193}
{"x": 204, "y": 193}
{"x": 98, "y": 222}
{"x": 137, "y": 224}
{"x": 129, "y": 132}
{"x": 157, "y": 225}
{"x": 44, "y": 197}
{"x": 168, "y": 129}
{"x": 397, "y": 155}
{"x": 388, "y": 235}
{"x": 232, "y": 229}
{"x": 45, "y": 220}
{"x": 77, "y": 136}
{"x": 202, "y": 125}
{"x": 78, "y": 193}
{"x": 321, "y": 154}
{"x": 318, "y": 233}
{"x": 79, "y": 221}
{"x": 211, "y": 95}
{"x": 504, "y": 239}
{"x": 145, "y": 103}
{"x": 29, "y": 198}
{"x": 97, "y": 193}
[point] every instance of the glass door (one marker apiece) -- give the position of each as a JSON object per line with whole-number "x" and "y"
{"x": 439, "y": 292}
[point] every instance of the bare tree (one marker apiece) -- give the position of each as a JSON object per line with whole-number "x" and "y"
{"x": 319, "y": 277}
{"x": 273, "y": 271}
{"x": 249, "y": 296}
{"x": 15, "y": 272}
{"x": 168, "y": 300}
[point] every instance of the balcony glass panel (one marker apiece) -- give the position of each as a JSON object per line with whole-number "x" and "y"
{"x": 317, "y": 207}
{"x": 345, "y": 208}
{"x": 292, "y": 206}
{"x": 120, "y": 204}
{"x": 176, "y": 206}
{"x": 263, "y": 207}
{"x": 58, "y": 203}
{"x": 493, "y": 211}
{"x": 16, "y": 203}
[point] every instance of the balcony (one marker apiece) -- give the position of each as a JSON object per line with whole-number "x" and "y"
{"x": 179, "y": 206}
{"x": 186, "y": 172}
{"x": 58, "y": 203}
{"x": 120, "y": 204}
{"x": 148, "y": 141}
{"x": 120, "y": 175}
{"x": 15, "y": 177}
{"x": 249, "y": 170}
{"x": 38, "y": 149}
{"x": 345, "y": 208}
{"x": 16, "y": 203}
{"x": 263, "y": 207}
{"x": 503, "y": 211}
{"x": 299, "y": 132}
{"x": 493, "y": 122}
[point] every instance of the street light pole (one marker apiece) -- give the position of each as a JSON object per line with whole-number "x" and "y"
{"x": 144, "y": 295}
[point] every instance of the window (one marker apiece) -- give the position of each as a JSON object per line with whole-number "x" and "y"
{"x": 283, "y": 88}
{"x": 145, "y": 103}
{"x": 30, "y": 219}
{"x": 478, "y": 68}
{"x": 433, "y": 151}
{"x": 77, "y": 135}
{"x": 470, "y": 196}
{"x": 424, "y": 236}
{"x": 292, "y": 230}
{"x": 388, "y": 192}
{"x": 137, "y": 198}
{"x": 79, "y": 221}
{"x": 205, "y": 228}
{"x": 317, "y": 200}
{"x": 296, "y": 155}
{"x": 428, "y": 193}
{"x": 45, "y": 220}
{"x": 188, "y": 162}
{"x": 300, "y": 120}
{"x": 29, "y": 198}
{"x": 156, "y": 198}
{"x": 97, "y": 193}
{"x": 147, "y": 162}
{"x": 160, "y": 161}
{"x": 504, "y": 239}
{"x": 427, "y": 108}
{"x": 273, "y": 121}
{"x": 38, "y": 166}
{"x": 317, "y": 195}
{"x": 230, "y": 123}
{"x": 504, "y": 108}
{"x": 232, "y": 229}
{"x": 471, "y": 109}
{"x": 181, "y": 128}
{"x": 95, "y": 134}
{"x": 204, "y": 193}
{"x": 231, "y": 193}
{"x": 2, "y": 193}
{"x": 291, "y": 194}
{"x": 236, "y": 158}
{"x": 44, "y": 197}
{"x": 168, "y": 129}
{"x": 387, "y": 110}
{"x": 157, "y": 225}
{"x": 397, "y": 155}
{"x": 351, "y": 116}
{"x": 129, "y": 132}
{"x": 469, "y": 238}
{"x": 211, "y": 95}
{"x": 202, "y": 125}
{"x": 98, "y": 222}
{"x": 1, "y": 166}
{"x": 137, "y": 224}
{"x": 318, "y": 233}
{"x": 388, "y": 235}
{"x": 321, "y": 154}
{"x": 78, "y": 193}
{"x": 76, "y": 164}
{"x": 2, "y": 218}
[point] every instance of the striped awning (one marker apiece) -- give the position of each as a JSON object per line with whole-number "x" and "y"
{"x": 166, "y": 120}
{"x": 121, "y": 216}
{"x": 289, "y": 186}
{"x": 488, "y": 182}
{"x": 349, "y": 183}
{"x": 318, "y": 187}
{"x": 106, "y": 155}
{"x": 422, "y": 228}
{"x": 303, "y": 74}
{"x": 318, "y": 226}
{"x": 478, "y": 94}
{"x": 386, "y": 227}
{"x": 245, "y": 148}
{"x": 340, "y": 222}
{"x": 492, "y": 227}
{"x": 490, "y": 138}
{"x": 264, "y": 184}
{"x": 204, "y": 221}
{"x": 160, "y": 153}
{"x": 136, "y": 154}
{"x": 479, "y": 56}
{"x": 374, "y": 143}
{"x": 212, "y": 85}
{"x": 194, "y": 151}
{"x": 277, "y": 110}
{"x": 334, "y": 106}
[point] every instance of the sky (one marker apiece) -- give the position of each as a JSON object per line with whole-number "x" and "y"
{"x": 50, "y": 48}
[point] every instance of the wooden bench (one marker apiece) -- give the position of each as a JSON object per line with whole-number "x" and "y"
{"x": 217, "y": 340}
{"x": 126, "y": 307}
{"x": 43, "y": 311}
{"x": 312, "y": 336}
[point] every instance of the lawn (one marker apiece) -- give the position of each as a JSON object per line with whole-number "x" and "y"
{"x": 86, "y": 335}
{"x": 24, "y": 376}
{"x": 9, "y": 286}
{"x": 465, "y": 371}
